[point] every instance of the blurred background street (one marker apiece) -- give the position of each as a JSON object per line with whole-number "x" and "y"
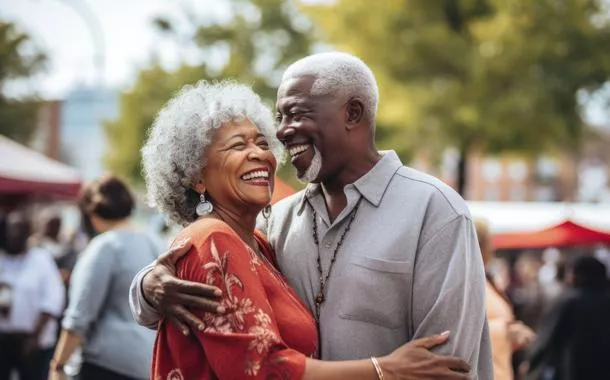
{"x": 506, "y": 101}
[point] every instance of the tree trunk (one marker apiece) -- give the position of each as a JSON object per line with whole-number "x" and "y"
{"x": 462, "y": 172}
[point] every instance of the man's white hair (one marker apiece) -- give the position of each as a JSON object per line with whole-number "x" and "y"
{"x": 173, "y": 155}
{"x": 340, "y": 75}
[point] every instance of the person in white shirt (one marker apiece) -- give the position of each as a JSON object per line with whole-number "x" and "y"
{"x": 31, "y": 298}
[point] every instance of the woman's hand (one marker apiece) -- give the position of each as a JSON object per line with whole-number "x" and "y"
{"x": 415, "y": 361}
{"x": 57, "y": 375}
{"x": 520, "y": 335}
{"x": 172, "y": 296}
{"x": 56, "y": 371}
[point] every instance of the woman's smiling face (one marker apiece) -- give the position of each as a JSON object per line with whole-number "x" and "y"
{"x": 240, "y": 168}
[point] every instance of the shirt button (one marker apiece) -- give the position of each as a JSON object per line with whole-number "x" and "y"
{"x": 328, "y": 244}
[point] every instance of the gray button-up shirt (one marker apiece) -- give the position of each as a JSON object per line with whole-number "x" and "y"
{"x": 409, "y": 266}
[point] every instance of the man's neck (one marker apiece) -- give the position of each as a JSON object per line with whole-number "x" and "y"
{"x": 333, "y": 187}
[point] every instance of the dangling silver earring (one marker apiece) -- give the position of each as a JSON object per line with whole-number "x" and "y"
{"x": 267, "y": 211}
{"x": 204, "y": 207}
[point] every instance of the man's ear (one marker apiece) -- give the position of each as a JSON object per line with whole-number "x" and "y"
{"x": 354, "y": 113}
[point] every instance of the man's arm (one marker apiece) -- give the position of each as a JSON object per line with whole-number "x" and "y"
{"x": 156, "y": 292}
{"x": 449, "y": 293}
{"x": 143, "y": 312}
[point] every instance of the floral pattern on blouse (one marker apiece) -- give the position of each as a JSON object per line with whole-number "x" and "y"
{"x": 265, "y": 333}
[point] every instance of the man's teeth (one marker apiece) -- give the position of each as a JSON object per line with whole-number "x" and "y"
{"x": 257, "y": 174}
{"x": 297, "y": 149}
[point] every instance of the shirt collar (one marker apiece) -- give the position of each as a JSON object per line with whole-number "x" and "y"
{"x": 372, "y": 185}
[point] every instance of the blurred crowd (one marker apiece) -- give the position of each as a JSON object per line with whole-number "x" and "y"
{"x": 63, "y": 295}
{"x": 548, "y": 311}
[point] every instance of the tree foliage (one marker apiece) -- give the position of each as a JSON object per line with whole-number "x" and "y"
{"x": 19, "y": 59}
{"x": 260, "y": 38}
{"x": 491, "y": 75}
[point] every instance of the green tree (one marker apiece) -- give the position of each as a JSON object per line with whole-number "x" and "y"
{"x": 259, "y": 40}
{"x": 19, "y": 59}
{"x": 485, "y": 75}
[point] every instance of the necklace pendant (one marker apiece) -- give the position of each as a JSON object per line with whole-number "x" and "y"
{"x": 320, "y": 298}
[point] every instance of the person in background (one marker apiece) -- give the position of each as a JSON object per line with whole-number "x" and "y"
{"x": 49, "y": 235}
{"x": 526, "y": 293}
{"x": 574, "y": 338}
{"x": 507, "y": 334}
{"x": 48, "y": 239}
{"x": 98, "y": 315}
{"x": 32, "y": 299}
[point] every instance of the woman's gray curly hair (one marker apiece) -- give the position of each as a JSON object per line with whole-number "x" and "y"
{"x": 173, "y": 155}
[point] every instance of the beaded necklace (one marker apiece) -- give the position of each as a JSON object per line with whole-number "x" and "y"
{"x": 321, "y": 297}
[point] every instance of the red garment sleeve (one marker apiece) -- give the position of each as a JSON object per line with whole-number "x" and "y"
{"x": 244, "y": 342}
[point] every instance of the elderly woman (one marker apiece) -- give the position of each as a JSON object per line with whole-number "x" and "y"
{"x": 98, "y": 315}
{"x": 209, "y": 165}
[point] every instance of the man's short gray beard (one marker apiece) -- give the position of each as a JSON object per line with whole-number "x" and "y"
{"x": 314, "y": 168}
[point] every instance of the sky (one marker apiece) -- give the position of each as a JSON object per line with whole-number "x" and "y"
{"x": 129, "y": 38}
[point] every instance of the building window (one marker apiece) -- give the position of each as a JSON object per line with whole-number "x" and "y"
{"x": 491, "y": 193}
{"x": 492, "y": 169}
{"x": 517, "y": 171}
{"x": 517, "y": 193}
{"x": 546, "y": 169}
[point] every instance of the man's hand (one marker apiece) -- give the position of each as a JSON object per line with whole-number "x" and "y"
{"x": 414, "y": 361}
{"x": 172, "y": 296}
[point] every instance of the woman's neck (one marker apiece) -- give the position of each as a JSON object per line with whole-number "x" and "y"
{"x": 117, "y": 225}
{"x": 243, "y": 225}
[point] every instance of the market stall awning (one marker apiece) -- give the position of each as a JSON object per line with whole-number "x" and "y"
{"x": 562, "y": 235}
{"x": 517, "y": 225}
{"x": 25, "y": 172}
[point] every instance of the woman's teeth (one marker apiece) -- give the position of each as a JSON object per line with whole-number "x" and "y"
{"x": 257, "y": 174}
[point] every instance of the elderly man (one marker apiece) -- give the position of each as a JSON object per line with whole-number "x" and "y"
{"x": 381, "y": 253}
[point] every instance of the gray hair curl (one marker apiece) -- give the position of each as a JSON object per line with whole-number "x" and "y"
{"x": 173, "y": 155}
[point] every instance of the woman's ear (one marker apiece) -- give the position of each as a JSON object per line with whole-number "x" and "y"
{"x": 199, "y": 187}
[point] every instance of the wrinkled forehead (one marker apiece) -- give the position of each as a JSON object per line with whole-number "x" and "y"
{"x": 297, "y": 87}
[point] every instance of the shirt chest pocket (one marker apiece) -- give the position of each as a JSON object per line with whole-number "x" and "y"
{"x": 376, "y": 291}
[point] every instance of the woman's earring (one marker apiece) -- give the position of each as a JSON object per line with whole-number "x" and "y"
{"x": 204, "y": 207}
{"x": 267, "y": 211}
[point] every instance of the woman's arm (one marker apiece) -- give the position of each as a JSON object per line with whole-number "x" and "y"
{"x": 90, "y": 282}
{"x": 68, "y": 342}
{"x": 412, "y": 361}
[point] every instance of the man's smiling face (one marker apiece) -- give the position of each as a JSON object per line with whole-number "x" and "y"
{"x": 311, "y": 129}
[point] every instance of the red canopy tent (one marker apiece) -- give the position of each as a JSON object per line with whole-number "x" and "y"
{"x": 565, "y": 234}
{"x": 525, "y": 225}
{"x": 26, "y": 173}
